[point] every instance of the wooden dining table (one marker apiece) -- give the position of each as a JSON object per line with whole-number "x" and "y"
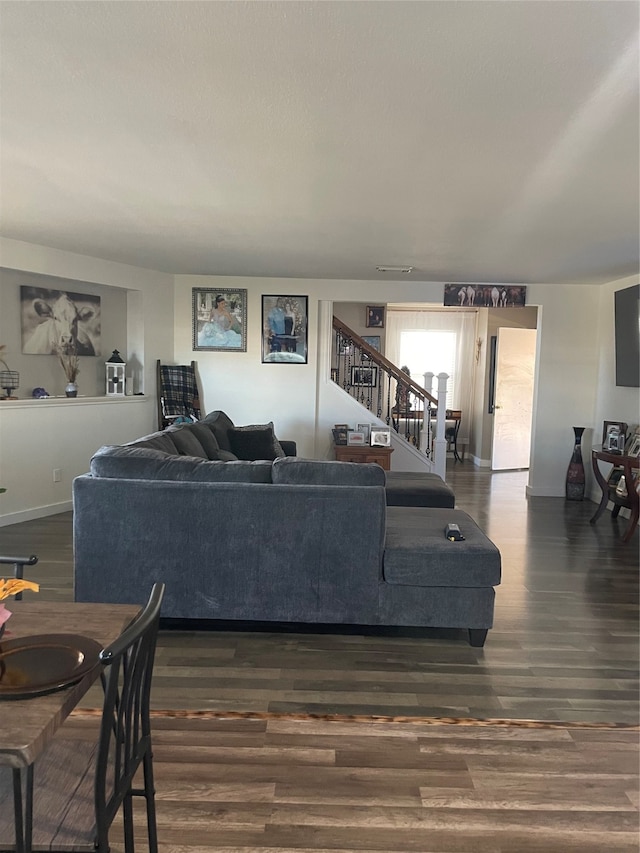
{"x": 27, "y": 725}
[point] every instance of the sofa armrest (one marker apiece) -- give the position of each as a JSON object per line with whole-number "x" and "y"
{"x": 289, "y": 447}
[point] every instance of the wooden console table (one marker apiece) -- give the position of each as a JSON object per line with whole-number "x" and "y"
{"x": 356, "y": 453}
{"x": 631, "y": 500}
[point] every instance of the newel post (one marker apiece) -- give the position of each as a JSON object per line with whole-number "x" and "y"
{"x": 440, "y": 451}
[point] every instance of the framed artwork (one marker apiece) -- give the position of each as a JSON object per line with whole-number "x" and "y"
{"x": 219, "y": 319}
{"x": 356, "y": 438}
{"x": 485, "y": 295}
{"x": 634, "y": 445}
{"x": 284, "y": 329}
{"x": 364, "y": 376}
{"x": 380, "y": 437}
{"x": 335, "y": 377}
{"x": 373, "y": 341}
{"x": 339, "y": 436}
{"x": 365, "y": 429}
{"x": 375, "y": 317}
{"x": 614, "y": 434}
{"x": 59, "y": 322}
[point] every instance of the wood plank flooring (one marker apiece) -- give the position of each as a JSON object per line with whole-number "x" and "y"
{"x": 564, "y": 649}
{"x": 564, "y": 645}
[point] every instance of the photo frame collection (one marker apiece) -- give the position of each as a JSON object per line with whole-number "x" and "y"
{"x": 219, "y": 324}
{"x": 363, "y": 435}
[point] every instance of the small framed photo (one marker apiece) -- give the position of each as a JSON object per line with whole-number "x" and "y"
{"x": 341, "y": 426}
{"x": 364, "y": 376}
{"x": 380, "y": 437}
{"x": 375, "y": 317}
{"x": 355, "y": 438}
{"x": 365, "y": 429}
{"x": 284, "y": 329}
{"x": 373, "y": 341}
{"x": 609, "y": 427}
{"x": 615, "y": 437}
{"x": 634, "y": 445}
{"x": 339, "y": 436}
{"x": 219, "y": 319}
{"x": 335, "y": 377}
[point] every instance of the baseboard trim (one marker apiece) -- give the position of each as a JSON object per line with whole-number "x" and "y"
{"x": 36, "y": 512}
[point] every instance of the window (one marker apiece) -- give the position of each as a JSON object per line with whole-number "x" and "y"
{"x": 422, "y": 350}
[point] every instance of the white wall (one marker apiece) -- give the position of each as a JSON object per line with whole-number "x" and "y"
{"x": 574, "y": 385}
{"x": 37, "y": 436}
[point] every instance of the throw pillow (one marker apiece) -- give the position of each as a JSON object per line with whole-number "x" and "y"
{"x": 206, "y": 438}
{"x": 186, "y": 441}
{"x": 257, "y": 441}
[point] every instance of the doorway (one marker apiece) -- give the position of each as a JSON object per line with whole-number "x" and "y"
{"x": 514, "y": 384}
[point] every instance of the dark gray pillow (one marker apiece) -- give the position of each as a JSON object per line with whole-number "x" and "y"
{"x": 256, "y": 441}
{"x": 206, "y": 438}
{"x": 219, "y": 423}
{"x": 186, "y": 441}
{"x": 295, "y": 471}
{"x": 132, "y": 463}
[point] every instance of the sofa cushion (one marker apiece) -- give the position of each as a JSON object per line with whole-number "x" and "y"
{"x": 256, "y": 441}
{"x": 418, "y": 488}
{"x": 155, "y": 441}
{"x": 207, "y": 439}
{"x": 133, "y": 463}
{"x": 417, "y": 553}
{"x": 326, "y": 473}
{"x": 219, "y": 423}
{"x": 186, "y": 441}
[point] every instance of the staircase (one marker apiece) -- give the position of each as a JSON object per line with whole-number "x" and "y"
{"x": 391, "y": 395}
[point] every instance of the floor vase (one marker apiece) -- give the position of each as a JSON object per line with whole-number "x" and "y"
{"x": 574, "y": 487}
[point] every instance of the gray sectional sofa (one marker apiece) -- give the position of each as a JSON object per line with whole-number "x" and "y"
{"x": 283, "y": 539}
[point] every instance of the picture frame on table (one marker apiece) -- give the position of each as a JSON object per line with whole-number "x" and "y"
{"x": 356, "y": 438}
{"x": 219, "y": 319}
{"x": 339, "y": 436}
{"x": 364, "y": 376}
{"x": 374, "y": 318}
{"x": 614, "y": 436}
{"x": 380, "y": 437}
{"x": 284, "y": 329}
{"x": 366, "y": 430}
{"x": 633, "y": 449}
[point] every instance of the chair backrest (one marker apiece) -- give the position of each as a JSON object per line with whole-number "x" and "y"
{"x": 18, "y": 564}
{"x": 178, "y": 395}
{"x": 125, "y": 730}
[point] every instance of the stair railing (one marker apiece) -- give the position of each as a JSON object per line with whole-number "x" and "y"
{"x": 383, "y": 388}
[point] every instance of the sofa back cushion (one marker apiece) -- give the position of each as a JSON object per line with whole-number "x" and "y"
{"x": 219, "y": 423}
{"x": 186, "y": 440}
{"x": 256, "y": 441}
{"x": 141, "y": 463}
{"x": 155, "y": 441}
{"x": 326, "y": 473}
{"x": 207, "y": 439}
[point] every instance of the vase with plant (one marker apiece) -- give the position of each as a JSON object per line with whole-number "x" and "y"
{"x": 71, "y": 365}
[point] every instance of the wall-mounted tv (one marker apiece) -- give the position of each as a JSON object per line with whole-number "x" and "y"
{"x": 627, "y": 333}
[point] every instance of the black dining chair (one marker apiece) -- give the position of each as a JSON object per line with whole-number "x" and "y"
{"x": 79, "y": 786}
{"x": 18, "y": 564}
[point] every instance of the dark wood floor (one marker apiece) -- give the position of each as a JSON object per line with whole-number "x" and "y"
{"x": 564, "y": 648}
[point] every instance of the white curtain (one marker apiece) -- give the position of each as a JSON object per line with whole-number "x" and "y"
{"x": 463, "y": 323}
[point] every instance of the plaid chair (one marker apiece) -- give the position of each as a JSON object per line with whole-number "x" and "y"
{"x": 178, "y": 396}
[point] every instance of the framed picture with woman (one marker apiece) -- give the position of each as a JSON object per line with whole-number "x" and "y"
{"x": 284, "y": 329}
{"x": 219, "y": 319}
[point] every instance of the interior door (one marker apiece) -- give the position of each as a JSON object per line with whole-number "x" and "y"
{"x": 515, "y": 368}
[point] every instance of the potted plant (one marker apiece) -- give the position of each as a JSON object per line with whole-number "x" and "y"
{"x": 71, "y": 365}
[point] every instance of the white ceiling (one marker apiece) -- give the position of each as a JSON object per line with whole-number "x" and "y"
{"x": 474, "y": 141}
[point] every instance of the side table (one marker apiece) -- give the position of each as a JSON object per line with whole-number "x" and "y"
{"x": 356, "y": 453}
{"x": 630, "y": 465}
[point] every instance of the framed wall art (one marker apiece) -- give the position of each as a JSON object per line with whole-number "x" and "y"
{"x": 284, "y": 329}
{"x": 375, "y": 317}
{"x": 59, "y": 322}
{"x": 373, "y": 341}
{"x": 364, "y": 376}
{"x": 485, "y": 295}
{"x": 219, "y": 319}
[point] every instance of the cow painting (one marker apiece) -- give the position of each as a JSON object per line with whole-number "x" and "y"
{"x": 56, "y": 322}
